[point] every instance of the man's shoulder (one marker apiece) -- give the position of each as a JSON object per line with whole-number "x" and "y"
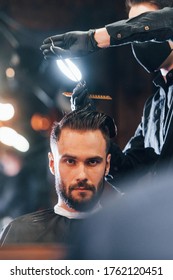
{"x": 34, "y": 216}
{"x": 29, "y": 220}
{"x": 27, "y": 228}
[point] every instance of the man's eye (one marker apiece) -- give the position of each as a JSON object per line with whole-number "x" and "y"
{"x": 70, "y": 161}
{"x": 92, "y": 162}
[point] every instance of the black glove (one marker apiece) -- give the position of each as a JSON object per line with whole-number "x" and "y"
{"x": 80, "y": 97}
{"x": 70, "y": 44}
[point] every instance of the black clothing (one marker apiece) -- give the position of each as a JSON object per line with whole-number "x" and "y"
{"x": 151, "y": 146}
{"x": 49, "y": 226}
{"x": 155, "y": 25}
{"x": 40, "y": 227}
{"x": 157, "y": 116}
{"x": 150, "y": 55}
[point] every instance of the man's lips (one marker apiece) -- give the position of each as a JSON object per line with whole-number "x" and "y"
{"x": 82, "y": 189}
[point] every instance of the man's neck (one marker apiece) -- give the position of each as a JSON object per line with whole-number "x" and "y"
{"x": 167, "y": 64}
{"x": 164, "y": 72}
{"x": 75, "y": 214}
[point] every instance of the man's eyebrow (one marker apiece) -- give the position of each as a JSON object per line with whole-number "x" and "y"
{"x": 69, "y": 156}
{"x": 89, "y": 158}
{"x": 95, "y": 157}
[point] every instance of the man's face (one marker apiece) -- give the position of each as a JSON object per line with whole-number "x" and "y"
{"x": 79, "y": 164}
{"x": 140, "y": 8}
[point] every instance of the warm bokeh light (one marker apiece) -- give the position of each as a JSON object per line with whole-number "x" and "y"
{"x": 6, "y": 111}
{"x": 69, "y": 69}
{"x": 11, "y": 163}
{"x": 39, "y": 122}
{"x": 10, "y": 137}
{"x": 10, "y": 73}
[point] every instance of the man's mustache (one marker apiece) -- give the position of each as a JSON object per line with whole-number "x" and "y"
{"x": 83, "y": 185}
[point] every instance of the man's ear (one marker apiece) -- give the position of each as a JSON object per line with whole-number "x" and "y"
{"x": 108, "y": 160}
{"x": 51, "y": 163}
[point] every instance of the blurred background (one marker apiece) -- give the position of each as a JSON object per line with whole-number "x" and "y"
{"x": 31, "y": 92}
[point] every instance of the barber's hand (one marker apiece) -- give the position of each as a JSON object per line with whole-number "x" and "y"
{"x": 70, "y": 44}
{"x": 80, "y": 97}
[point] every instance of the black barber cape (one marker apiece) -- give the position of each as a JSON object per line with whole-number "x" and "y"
{"x": 52, "y": 225}
{"x": 40, "y": 227}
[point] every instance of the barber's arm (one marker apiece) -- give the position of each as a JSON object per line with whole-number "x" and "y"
{"x": 156, "y": 25}
{"x": 136, "y": 159}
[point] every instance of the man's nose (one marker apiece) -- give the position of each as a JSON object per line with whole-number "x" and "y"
{"x": 81, "y": 172}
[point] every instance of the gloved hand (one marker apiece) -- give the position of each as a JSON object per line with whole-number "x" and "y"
{"x": 80, "y": 97}
{"x": 70, "y": 44}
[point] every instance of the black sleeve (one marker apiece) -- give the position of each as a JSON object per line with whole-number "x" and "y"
{"x": 135, "y": 157}
{"x": 156, "y": 25}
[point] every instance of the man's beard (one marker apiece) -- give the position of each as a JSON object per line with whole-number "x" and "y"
{"x": 83, "y": 203}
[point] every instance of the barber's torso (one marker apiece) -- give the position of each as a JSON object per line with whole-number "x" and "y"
{"x": 158, "y": 114}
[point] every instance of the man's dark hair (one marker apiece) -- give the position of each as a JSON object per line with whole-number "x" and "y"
{"x": 84, "y": 120}
{"x": 159, "y": 3}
